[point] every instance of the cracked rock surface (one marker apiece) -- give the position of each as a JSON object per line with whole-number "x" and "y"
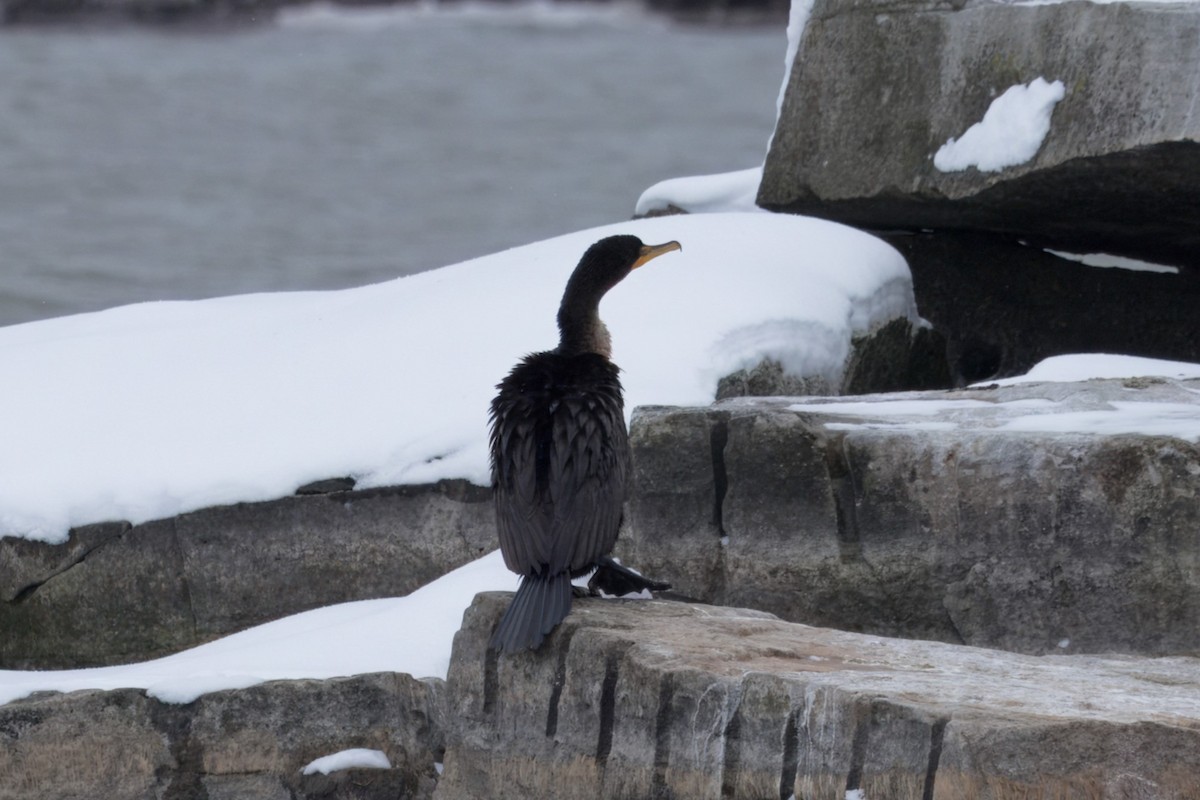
{"x": 984, "y": 523}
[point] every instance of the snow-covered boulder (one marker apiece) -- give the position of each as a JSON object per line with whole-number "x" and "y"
{"x": 155, "y": 511}
{"x": 1070, "y": 124}
{"x": 1039, "y": 517}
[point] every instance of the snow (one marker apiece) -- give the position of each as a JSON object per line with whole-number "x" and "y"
{"x": 702, "y": 194}
{"x": 923, "y": 408}
{"x": 1115, "y": 262}
{"x": 151, "y": 410}
{"x": 357, "y": 758}
{"x": 896, "y": 426}
{"x": 1148, "y": 417}
{"x": 1178, "y": 420}
{"x": 1082, "y": 367}
{"x": 1011, "y": 132}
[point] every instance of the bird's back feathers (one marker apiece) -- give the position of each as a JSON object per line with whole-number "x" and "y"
{"x": 560, "y": 462}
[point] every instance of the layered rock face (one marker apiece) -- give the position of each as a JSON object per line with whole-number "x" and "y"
{"x": 117, "y": 593}
{"x": 657, "y": 699}
{"x": 997, "y": 517}
{"x": 878, "y": 88}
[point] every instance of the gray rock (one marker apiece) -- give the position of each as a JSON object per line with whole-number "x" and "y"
{"x": 250, "y": 744}
{"x": 659, "y": 699}
{"x": 879, "y": 86}
{"x": 92, "y": 744}
{"x": 961, "y": 530}
{"x": 116, "y": 593}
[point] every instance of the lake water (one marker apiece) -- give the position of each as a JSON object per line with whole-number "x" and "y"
{"x": 335, "y": 149}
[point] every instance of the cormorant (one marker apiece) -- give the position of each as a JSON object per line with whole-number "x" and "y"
{"x": 560, "y": 452}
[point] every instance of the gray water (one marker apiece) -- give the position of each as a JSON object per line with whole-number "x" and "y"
{"x": 336, "y": 150}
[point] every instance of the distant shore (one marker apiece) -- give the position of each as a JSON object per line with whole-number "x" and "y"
{"x": 238, "y": 13}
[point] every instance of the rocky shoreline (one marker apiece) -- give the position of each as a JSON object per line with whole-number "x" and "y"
{"x": 1006, "y": 606}
{"x": 845, "y": 513}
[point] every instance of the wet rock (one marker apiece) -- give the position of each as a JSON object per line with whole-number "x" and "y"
{"x": 249, "y": 744}
{"x": 982, "y": 525}
{"x": 660, "y": 699}
{"x": 117, "y": 593}
{"x": 878, "y": 87}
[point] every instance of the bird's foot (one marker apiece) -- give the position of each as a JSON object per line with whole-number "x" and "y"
{"x": 613, "y": 579}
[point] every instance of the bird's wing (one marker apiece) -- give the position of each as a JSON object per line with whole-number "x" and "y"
{"x": 589, "y": 468}
{"x": 522, "y": 519}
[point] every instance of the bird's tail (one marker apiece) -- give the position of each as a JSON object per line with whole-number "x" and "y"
{"x": 540, "y": 604}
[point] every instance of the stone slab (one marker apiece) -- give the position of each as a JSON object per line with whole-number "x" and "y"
{"x": 968, "y": 520}
{"x": 663, "y": 699}
{"x": 879, "y": 86}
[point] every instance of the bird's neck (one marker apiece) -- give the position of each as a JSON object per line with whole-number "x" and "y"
{"x": 583, "y": 333}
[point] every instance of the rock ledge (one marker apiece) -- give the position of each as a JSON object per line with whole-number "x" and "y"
{"x": 663, "y": 699}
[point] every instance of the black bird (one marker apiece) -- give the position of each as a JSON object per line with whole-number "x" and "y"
{"x": 560, "y": 452}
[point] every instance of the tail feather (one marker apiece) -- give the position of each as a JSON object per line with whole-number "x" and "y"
{"x": 539, "y": 605}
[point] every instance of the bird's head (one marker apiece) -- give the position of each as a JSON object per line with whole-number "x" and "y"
{"x": 605, "y": 264}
